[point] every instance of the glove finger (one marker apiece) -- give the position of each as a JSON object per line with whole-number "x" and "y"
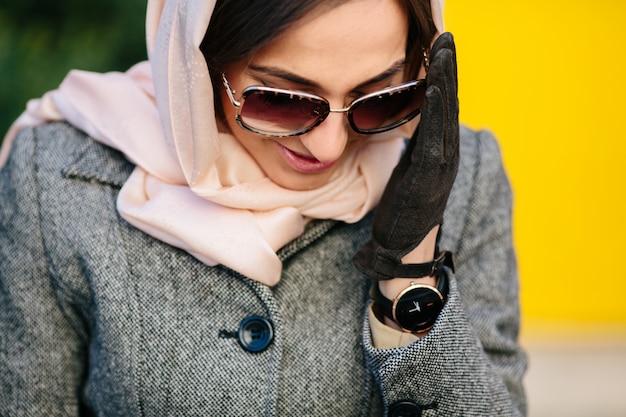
{"x": 451, "y": 102}
{"x": 431, "y": 128}
{"x": 443, "y": 73}
{"x": 434, "y": 111}
{"x": 438, "y": 63}
{"x": 454, "y": 68}
{"x": 444, "y": 41}
{"x": 401, "y": 171}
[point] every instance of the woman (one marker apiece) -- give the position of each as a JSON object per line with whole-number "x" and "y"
{"x": 179, "y": 239}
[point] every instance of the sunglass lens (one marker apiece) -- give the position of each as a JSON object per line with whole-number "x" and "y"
{"x": 387, "y": 111}
{"x": 280, "y": 113}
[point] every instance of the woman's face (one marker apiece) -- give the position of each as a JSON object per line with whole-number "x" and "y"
{"x": 339, "y": 54}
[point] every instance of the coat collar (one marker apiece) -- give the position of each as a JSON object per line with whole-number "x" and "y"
{"x": 96, "y": 162}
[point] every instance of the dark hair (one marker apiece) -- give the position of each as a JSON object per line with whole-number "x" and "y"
{"x": 238, "y": 28}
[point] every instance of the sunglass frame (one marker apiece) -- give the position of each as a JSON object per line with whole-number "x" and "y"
{"x": 256, "y": 89}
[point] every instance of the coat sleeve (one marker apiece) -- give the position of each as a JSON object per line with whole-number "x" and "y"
{"x": 41, "y": 364}
{"x": 470, "y": 364}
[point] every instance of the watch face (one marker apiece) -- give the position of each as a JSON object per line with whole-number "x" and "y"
{"x": 416, "y": 308}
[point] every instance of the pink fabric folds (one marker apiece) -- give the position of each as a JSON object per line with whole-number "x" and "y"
{"x": 194, "y": 187}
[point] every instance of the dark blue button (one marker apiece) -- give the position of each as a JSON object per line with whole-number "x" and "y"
{"x": 255, "y": 333}
{"x": 405, "y": 409}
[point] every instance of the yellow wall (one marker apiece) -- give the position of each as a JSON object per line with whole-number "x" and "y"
{"x": 549, "y": 79}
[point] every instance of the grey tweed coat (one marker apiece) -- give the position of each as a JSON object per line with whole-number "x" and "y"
{"x": 98, "y": 318}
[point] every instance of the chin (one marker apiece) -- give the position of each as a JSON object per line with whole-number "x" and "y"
{"x": 301, "y": 182}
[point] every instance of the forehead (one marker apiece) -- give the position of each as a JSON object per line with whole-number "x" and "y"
{"x": 340, "y": 46}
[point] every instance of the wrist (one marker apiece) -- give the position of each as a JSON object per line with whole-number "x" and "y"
{"x": 425, "y": 251}
{"x": 392, "y": 287}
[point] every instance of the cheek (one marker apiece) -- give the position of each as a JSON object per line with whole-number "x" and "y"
{"x": 422, "y": 73}
{"x": 248, "y": 140}
{"x": 261, "y": 149}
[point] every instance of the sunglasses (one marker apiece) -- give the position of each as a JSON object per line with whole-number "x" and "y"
{"x": 276, "y": 112}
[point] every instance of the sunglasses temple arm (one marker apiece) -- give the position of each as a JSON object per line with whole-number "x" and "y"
{"x": 230, "y": 92}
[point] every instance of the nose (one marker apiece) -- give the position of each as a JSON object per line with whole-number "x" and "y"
{"x": 328, "y": 140}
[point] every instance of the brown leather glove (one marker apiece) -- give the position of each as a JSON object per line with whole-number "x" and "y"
{"x": 417, "y": 192}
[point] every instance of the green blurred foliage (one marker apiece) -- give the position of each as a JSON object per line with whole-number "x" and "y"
{"x": 40, "y": 41}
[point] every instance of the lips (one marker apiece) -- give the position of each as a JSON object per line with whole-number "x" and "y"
{"x": 301, "y": 163}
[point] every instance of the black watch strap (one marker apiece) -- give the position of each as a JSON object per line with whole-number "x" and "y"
{"x": 391, "y": 268}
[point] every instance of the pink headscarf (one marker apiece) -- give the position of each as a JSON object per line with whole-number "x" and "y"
{"x": 194, "y": 187}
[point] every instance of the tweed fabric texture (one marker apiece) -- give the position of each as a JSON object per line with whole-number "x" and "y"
{"x": 98, "y": 318}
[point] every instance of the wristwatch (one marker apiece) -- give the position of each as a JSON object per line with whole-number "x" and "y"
{"x": 417, "y": 307}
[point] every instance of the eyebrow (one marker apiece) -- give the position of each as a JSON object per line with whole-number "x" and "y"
{"x": 394, "y": 69}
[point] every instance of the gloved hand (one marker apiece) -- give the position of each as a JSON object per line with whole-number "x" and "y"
{"x": 417, "y": 192}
